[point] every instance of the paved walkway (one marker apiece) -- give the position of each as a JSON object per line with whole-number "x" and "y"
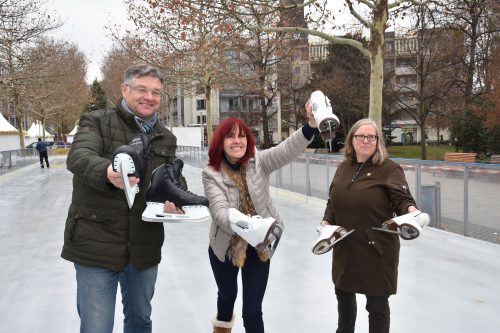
{"x": 447, "y": 283}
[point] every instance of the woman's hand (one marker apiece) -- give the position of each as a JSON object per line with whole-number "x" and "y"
{"x": 411, "y": 209}
{"x": 323, "y": 223}
{"x": 310, "y": 117}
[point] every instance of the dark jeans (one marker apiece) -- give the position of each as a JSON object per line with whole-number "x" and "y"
{"x": 44, "y": 156}
{"x": 254, "y": 275}
{"x": 379, "y": 313}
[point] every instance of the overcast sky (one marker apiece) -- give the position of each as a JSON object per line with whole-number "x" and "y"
{"x": 84, "y": 24}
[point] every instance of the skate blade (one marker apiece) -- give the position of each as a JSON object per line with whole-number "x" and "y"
{"x": 273, "y": 237}
{"x": 154, "y": 213}
{"x": 406, "y": 232}
{"x": 124, "y": 164}
{"x": 325, "y": 245}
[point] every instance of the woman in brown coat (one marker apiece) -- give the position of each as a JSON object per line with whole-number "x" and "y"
{"x": 367, "y": 189}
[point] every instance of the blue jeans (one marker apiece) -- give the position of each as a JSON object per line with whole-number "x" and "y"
{"x": 254, "y": 275}
{"x": 96, "y": 298}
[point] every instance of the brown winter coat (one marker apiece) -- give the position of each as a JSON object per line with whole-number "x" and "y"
{"x": 367, "y": 260}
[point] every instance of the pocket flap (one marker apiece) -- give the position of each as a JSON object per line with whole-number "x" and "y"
{"x": 96, "y": 214}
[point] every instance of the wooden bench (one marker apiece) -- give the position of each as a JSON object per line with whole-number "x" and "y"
{"x": 460, "y": 157}
{"x": 310, "y": 150}
{"x": 322, "y": 151}
{"x": 494, "y": 159}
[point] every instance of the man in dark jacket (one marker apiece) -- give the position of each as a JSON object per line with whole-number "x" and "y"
{"x": 41, "y": 146}
{"x": 108, "y": 241}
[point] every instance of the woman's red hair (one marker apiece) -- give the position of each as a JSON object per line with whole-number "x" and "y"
{"x": 226, "y": 128}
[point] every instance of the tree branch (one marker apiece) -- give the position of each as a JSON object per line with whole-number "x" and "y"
{"x": 325, "y": 36}
{"x": 358, "y": 17}
{"x": 415, "y": 2}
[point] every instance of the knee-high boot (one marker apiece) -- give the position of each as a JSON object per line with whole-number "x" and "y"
{"x": 223, "y": 326}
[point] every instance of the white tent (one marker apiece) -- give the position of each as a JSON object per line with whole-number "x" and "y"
{"x": 71, "y": 135}
{"x": 9, "y": 137}
{"x": 35, "y": 132}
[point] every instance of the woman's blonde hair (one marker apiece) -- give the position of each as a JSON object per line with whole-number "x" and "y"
{"x": 380, "y": 151}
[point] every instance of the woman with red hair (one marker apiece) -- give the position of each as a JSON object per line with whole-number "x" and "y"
{"x": 237, "y": 176}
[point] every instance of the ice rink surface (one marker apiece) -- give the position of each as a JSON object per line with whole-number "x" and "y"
{"x": 447, "y": 283}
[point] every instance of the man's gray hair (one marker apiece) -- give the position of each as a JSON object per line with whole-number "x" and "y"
{"x": 140, "y": 70}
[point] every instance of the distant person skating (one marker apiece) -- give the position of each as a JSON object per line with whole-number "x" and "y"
{"x": 41, "y": 146}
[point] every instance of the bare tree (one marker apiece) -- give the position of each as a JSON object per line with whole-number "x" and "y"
{"x": 373, "y": 15}
{"x": 116, "y": 61}
{"x": 430, "y": 56}
{"x": 57, "y": 87}
{"x": 479, "y": 21}
{"x": 22, "y": 22}
{"x": 186, "y": 41}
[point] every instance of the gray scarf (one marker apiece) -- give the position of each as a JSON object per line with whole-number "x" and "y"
{"x": 145, "y": 124}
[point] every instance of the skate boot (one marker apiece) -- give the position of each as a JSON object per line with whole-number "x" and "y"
{"x": 262, "y": 233}
{"x": 407, "y": 226}
{"x": 329, "y": 235}
{"x": 132, "y": 160}
{"x": 166, "y": 186}
{"x": 325, "y": 119}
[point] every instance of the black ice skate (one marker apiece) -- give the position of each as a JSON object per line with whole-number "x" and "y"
{"x": 132, "y": 160}
{"x": 166, "y": 186}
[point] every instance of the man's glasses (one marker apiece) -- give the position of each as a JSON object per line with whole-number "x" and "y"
{"x": 144, "y": 91}
{"x": 370, "y": 138}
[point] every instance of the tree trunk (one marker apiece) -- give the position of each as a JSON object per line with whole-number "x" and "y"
{"x": 423, "y": 140}
{"x": 376, "y": 48}
{"x": 19, "y": 119}
{"x": 208, "y": 105}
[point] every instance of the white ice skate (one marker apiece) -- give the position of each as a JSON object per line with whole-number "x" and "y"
{"x": 328, "y": 236}
{"x": 124, "y": 164}
{"x": 407, "y": 226}
{"x": 262, "y": 233}
{"x": 131, "y": 160}
{"x": 323, "y": 115}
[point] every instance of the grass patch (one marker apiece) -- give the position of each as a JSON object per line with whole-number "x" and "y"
{"x": 433, "y": 152}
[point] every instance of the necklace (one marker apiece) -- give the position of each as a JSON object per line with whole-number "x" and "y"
{"x": 357, "y": 171}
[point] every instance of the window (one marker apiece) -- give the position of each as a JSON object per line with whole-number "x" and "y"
{"x": 234, "y": 104}
{"x": 297, "y": 56}
{"x": 201, "y": 118}
{"x": 405, "y": 80}
{"x": 200, "y": 104}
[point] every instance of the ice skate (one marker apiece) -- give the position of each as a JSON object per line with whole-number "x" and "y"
{"x": 262, "y": 233}
{"x": 407, "y": 226}
{"x": 328, "y": 236}
{"x": 323, "y": 115}
{"x": 132, "y": 160}
{"x": 166, "y": 186}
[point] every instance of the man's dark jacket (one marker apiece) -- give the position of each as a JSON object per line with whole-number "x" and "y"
{"x": 101, "y": 230}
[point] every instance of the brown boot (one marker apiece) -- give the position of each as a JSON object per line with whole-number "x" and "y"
{"x": 223, "y": 326}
